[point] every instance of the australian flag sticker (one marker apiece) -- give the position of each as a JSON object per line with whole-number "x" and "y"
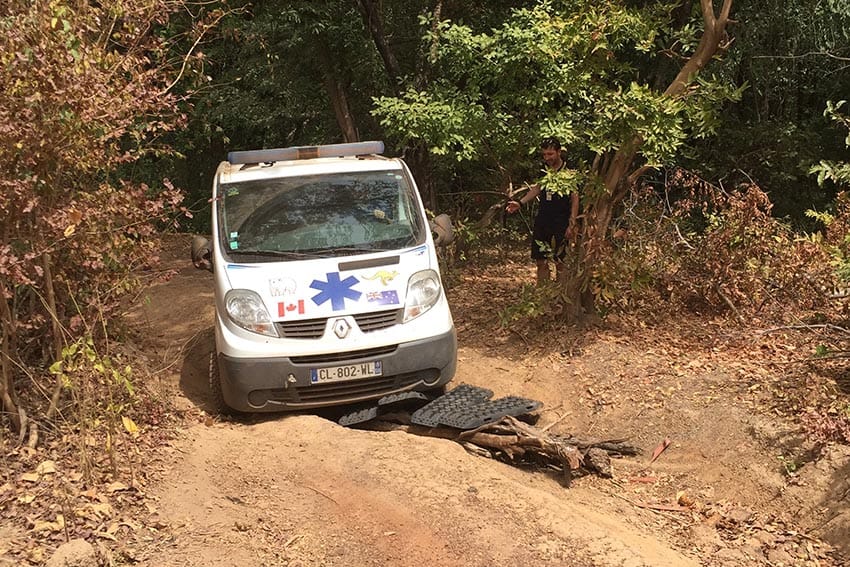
{"x": 382, "y": 297}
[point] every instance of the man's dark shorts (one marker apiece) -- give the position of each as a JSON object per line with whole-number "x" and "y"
{"x": 552, "y": 235}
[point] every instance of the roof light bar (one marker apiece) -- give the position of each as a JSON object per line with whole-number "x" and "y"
{"x": 305, "y": 152}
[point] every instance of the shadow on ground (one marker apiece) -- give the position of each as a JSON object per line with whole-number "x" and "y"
{"x": 836, "y": 502}
{"x": 194, "y": 375}
{"x": 194, "y": 383}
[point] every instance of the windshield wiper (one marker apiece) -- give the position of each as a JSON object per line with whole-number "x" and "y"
{"x": 344, "y": 250}
{"x": 274, "y": 253}
{"x": 308, "y": 254}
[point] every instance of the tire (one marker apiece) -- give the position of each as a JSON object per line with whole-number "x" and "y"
{"x": 217, "y": 404}
{"x": 438, "y": 391}
{"x": 201, "y": 254}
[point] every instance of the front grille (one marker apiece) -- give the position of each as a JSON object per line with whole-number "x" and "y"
{"x": 350, "y": 355}
{"x": 315, "y": 328}
{"x": 304, "y": 329}
{"x": 379, "y": 320}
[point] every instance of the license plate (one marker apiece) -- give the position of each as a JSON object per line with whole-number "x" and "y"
{"x": 347, "y": 372}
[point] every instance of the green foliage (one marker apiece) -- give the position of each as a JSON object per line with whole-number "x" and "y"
{"x": 790, "y": 467}
{"x": 835, "y": 237}
{"x": 102, "y": 396}
{"x": 564, "y": 181}
{"x": 657, "y": 119}
{"x": 793, "y": 57}
{"x": 442, "y": 121}
{"x": 837, "y": 172}
{"x": 533, "y": 301}
{"x": 81, "y": 362}
{"x": 561, "y": 68}
{"x": 263, "y": 84}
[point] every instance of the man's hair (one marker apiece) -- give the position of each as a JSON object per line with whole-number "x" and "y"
{"x": 550, "y": 142}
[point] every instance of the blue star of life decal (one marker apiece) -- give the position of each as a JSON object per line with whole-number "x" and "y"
{"x": 335, "y": 291}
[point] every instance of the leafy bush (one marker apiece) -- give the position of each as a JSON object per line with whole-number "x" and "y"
{"x": 85, "y": 91}
{"x": 534, "y": 301}
{"x": 699, "y": 248}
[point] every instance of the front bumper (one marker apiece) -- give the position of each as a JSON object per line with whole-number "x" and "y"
{"x": 283, "y": 383}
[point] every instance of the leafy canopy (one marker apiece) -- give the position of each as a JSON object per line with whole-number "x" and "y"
{"x": 570, "y": 68}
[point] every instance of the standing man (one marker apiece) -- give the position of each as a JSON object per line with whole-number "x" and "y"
{"x": 556, "y": 221}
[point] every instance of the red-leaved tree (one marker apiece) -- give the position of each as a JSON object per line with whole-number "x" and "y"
{"x": 85, "y": 91}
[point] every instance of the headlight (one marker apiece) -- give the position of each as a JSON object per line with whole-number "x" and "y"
{"x": 246, "y": 309}
{"x": 423, "y": 291}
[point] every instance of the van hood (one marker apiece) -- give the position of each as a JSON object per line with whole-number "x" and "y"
{"x": 316, "y": 288}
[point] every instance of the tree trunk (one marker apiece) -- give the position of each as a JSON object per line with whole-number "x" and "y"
{"x": 420, "y": 164}
{"x": 7, "y": 390}
{"x": 714, "y": 31}
{"x": 417, "y": 155}
{"x": 339, "y": 100}
{"x": 614, "y": 171}
{"x": 56, "y": 328}
{"x": 374, "y": 21}
{"x": 516, "y": 442}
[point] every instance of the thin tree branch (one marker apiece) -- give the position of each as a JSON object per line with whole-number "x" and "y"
{"x": 724, "y": 12}
{"x": 800, "y": 56}
{"x": 729, "y": 303}
{"x": 192, "y": 49}
{"x": 638, "y": 172}
{"x": 50, "y": 300}
{"x": 709, "y": 44}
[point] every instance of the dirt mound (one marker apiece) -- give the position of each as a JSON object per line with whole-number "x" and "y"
{"x": 302, "y": 490}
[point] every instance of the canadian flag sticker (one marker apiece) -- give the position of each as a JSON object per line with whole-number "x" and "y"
{"x": 283, "y": 307}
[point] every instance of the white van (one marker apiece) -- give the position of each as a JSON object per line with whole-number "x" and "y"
{"x": 327, "y": 286}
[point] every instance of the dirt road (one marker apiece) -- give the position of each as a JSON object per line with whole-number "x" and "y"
{"x": 302, "y": 490}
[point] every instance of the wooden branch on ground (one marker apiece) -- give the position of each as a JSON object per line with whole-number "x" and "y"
{"x": 24, "y": 423}
{"x": 557, "y": 421}
{"x": 813, "y": 327}
{"x": 517, "y": 442}
{"x": 32, "y": 439}
{"x": 729, "y": 303}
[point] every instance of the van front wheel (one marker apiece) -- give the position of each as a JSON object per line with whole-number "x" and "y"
{"x": 217, "y": 403}
{"x": 438, "y": 391}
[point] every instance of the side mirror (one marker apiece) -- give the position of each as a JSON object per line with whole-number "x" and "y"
{"x": 201, "y": 253}
{"x": 442, "y": 230}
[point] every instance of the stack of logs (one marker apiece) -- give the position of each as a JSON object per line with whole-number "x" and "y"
{"x": 514, "y": 441}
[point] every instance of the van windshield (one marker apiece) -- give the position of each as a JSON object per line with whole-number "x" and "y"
{"x": 333, "y": 214}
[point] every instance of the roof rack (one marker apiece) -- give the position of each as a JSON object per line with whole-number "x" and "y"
{"x": 305, "y": 152}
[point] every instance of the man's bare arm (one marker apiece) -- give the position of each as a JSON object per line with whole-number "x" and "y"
{"x": 515, "y": 204}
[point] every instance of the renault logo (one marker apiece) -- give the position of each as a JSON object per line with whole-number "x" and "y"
{"x": 341, "y": 328}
